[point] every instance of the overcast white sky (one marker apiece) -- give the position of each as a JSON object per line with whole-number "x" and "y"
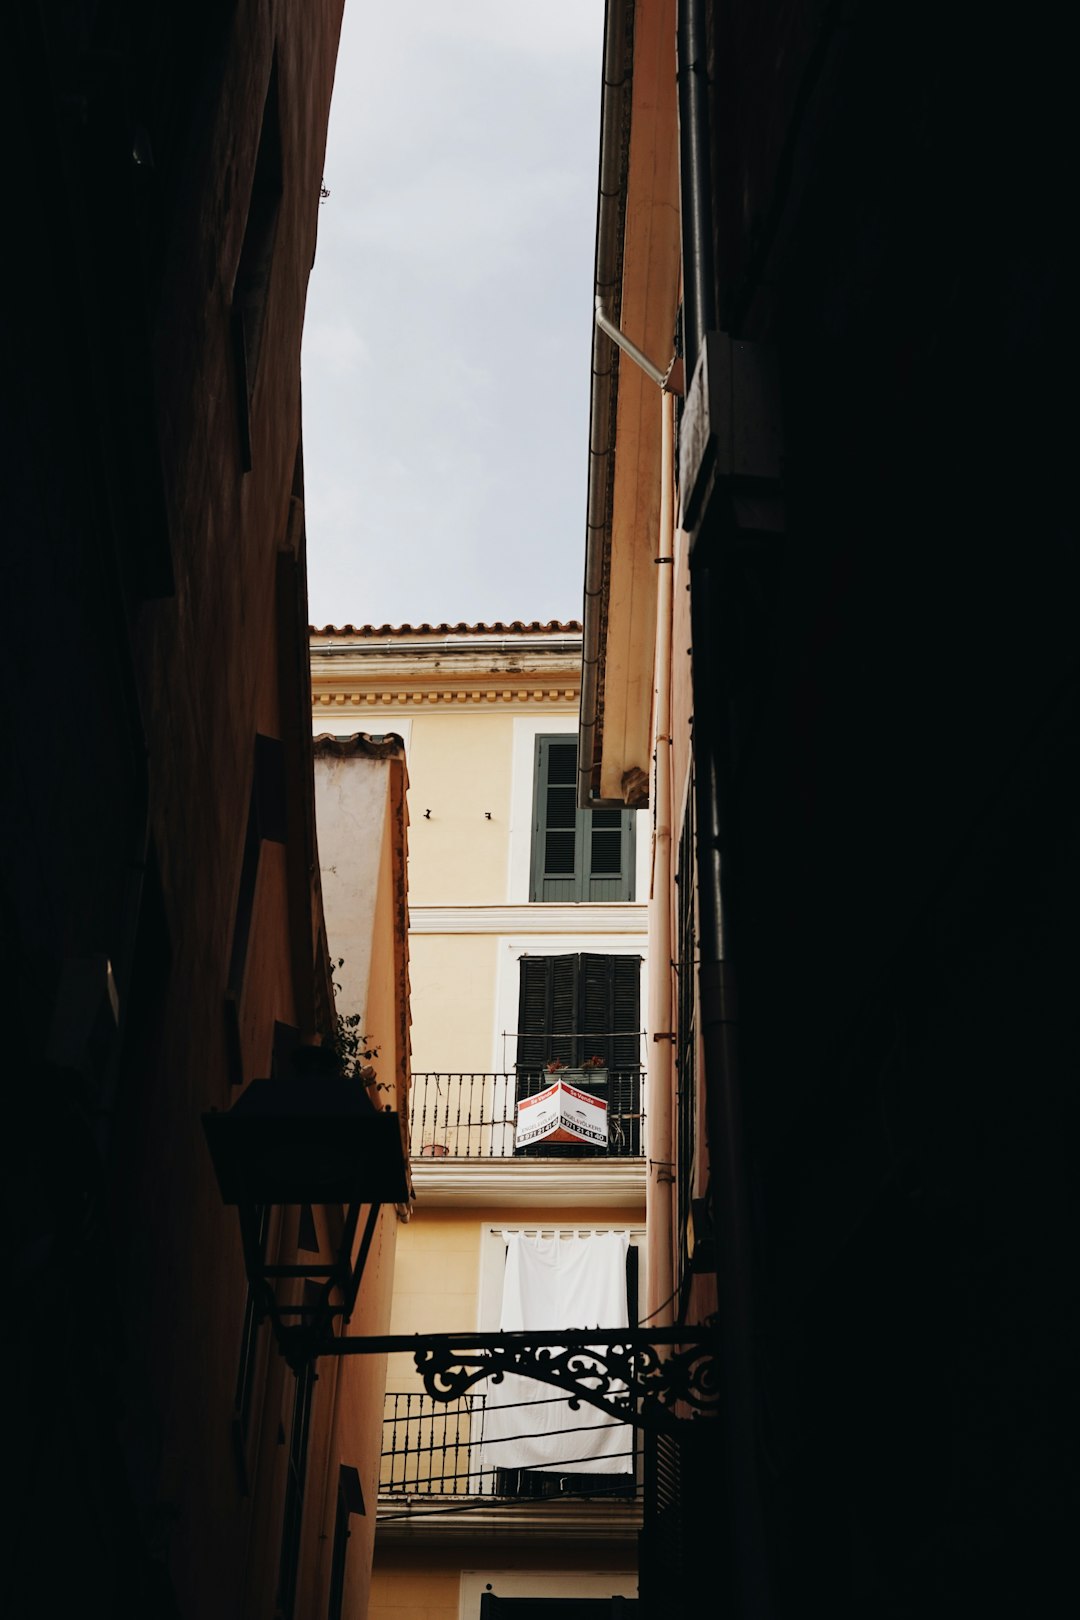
{"x": 447, "y": 344}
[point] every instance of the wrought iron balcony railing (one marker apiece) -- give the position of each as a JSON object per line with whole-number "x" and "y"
{"x": 437, "y": 1449}
{"x": 472, "y": 1116}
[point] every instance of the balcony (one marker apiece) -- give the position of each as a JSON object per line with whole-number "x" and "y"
{"x": 433, "y": 1458}
{"x": 472, "y": 1116}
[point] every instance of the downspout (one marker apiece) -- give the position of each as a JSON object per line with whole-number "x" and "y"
{"x": 638, "y": 356}
{"x": 699, "y": 284}
{"x": 660, "y": 1180}
{"x": 723, "y": 1092}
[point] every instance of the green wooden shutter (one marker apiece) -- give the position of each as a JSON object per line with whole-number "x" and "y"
{"x": 609, "y": 850}
{"x": 547, "y": 1010}
{"x": 564, "y": 1014}
{"x": 626, "y": 1011}
{"x": 611, "y": 1010}
{"x": 532, "y": 1012}
{"x": 579, "y": 1006}
{"x": 576, "y": 854}
{"x": 558, "y": 827}
{"x": 633, "y": 1271}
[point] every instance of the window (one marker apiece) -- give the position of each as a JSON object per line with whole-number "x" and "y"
{"x": 576, "y": 1007}
{"x": 252, "y": 1355}
{"x": 576, "y": 854}
{"x": 350, "y": 1500}
{"x": 680, "y": 1495}
{"x": 579, "y": 1006}
{"x": 253, "y": 272}
{"x": 266, "y": 821}
{"x": 295, "y": 1480}
{"x": 686, "y": 1037}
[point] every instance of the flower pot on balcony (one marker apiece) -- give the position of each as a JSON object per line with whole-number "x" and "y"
{"x": 583, "y": 1077}
{"x": 434, "y": 1150}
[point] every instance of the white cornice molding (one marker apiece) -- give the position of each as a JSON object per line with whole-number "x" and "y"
{"x": 395, "y": 673}
{"x": 544, "y": 1184}
{"x": 541, "y": 917}
{"x": 512, "y": 649}
{"x": 398, "y": 694}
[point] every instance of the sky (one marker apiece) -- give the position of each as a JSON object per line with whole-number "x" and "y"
{"x": 449, "y": 319}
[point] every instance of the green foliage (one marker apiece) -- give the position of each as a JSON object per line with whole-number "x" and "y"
{"x": 352, "y": 1048}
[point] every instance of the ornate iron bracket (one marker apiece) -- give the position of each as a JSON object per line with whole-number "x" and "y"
{"x": 657, "y": 1379}
{"x": 312, "y": 1308}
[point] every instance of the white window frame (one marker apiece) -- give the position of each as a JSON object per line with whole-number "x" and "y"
{"x": 527, "y": 727}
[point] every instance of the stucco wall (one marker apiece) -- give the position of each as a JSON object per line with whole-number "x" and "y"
{"x": 465, "y": 760}
{"x": 358, "y": 1426}
{"x": 453, "y": 996}
{"x": 459, "y": 768}
{"x": 350, "y": 804}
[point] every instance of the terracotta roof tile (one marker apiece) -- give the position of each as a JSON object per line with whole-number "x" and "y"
{"x": 532, "y": 627}
{"x": 387, "y": 745}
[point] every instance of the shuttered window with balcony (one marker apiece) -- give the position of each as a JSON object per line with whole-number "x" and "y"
{"x": 579, "y": 1006}
{"x": 576, "y": 854}
{"x": 574, "y": 1008}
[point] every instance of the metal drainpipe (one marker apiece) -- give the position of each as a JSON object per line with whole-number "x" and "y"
{"x": 638, "y": 356}
{"x": 723, "y": 1099}
{"x": 699, "y": 287}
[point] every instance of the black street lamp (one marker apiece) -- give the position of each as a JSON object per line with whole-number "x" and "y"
{"x": 308, "y": 1139}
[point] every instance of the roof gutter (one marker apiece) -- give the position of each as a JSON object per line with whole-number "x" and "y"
{"x": 500, "y": 646}
{"x": 607, "y": 338}
{"x": 610, "y": 213}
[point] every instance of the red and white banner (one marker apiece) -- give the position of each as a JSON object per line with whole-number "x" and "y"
{"x": 561, "y": 1113}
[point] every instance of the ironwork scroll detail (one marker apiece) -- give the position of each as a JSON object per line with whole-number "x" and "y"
{"x": 652, "y": 1380}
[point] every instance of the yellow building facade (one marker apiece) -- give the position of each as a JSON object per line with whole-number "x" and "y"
{"x": 527, "y": 947}
{"x": 360, "y": 789}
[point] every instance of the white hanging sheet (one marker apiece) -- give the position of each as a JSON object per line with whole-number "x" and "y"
{"x": 556, "y": 1282}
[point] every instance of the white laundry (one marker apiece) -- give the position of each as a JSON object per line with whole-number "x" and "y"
{"x": 550, "y": 1283}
